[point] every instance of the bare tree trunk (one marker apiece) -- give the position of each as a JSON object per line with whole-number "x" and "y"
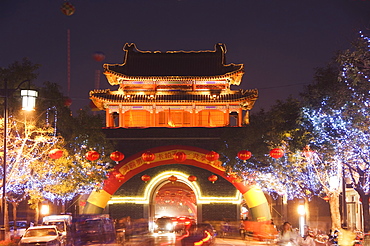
{"x": 6, "y": 220}
{"x": 37, "y": 214}
{"x": 365, "y": 211}
{"x": 334, "y": 210}
{"x": 15, "y": 205}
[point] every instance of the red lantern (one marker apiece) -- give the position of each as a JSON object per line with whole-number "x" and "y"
{"x": 326, "y": 198}
{"x": 92, "y": 155}
{"x": 98, "y": 56}
{"x": 276, "y": 153}
{"x": 117, "y": 156}
{"x": 212, "y": 178}
{"x": 192, "y": 178}
{"x": 172, "y": 178}
{"x": 244, "y": 155}
{"x": 145, "y": 178}
{"x": 212, "y": 156}
{"x": 67, "y": 102}
{"x": 67, "y": 8}
{"x": 179, "y": 156}
{"x": 148, "y": 156}
{"x": 55, "y": 153}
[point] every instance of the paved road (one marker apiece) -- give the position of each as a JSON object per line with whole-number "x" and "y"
{"x": 171, "y": 240}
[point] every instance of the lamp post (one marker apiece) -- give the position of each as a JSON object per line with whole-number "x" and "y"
{"x": 344, "y": 201}
{"x": 301, "y": 212}
{"x": 28, "y": 103}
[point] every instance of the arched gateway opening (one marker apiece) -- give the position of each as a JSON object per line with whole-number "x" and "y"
{"x": 160, "y": 187}
{"x": 172, "y": 199}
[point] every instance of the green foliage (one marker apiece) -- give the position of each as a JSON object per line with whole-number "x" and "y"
{"x": 326, "y": 87}
{"x": 14, "y": 75}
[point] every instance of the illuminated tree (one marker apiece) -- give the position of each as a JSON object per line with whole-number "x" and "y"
{"x": 340, "y": 123}
{"x": 31, "y": 173}
{"x": 288, "y": 176}
{"x": 26, "y": 144}
{"x": 64, "y": 179}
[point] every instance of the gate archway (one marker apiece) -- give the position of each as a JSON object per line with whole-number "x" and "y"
{"x": 126, "y": 169}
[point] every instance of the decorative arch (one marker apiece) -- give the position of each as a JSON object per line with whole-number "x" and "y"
{"x": 126, "y": 169}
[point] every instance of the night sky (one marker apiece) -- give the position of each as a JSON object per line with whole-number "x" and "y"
{"x": 279, "y": 42}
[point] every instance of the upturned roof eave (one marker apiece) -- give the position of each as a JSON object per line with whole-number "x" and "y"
{"x": 114, "y": 77}
{"x": 101, "y": 101}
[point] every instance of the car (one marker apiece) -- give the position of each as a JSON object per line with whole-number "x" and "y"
{"x": 181, "y": 223}
{"x": 42, "y": 235}
{"x": 22, "y": 226}
{"x": 93, "y": 228}
{"x": 199, "y": 234}
{"x": 164, "y": 224}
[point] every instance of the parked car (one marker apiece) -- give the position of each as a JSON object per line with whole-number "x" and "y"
{"x": 94, "y": 228}
{"x": 42, "y": 235}
{"x": 200, "y": 234}
{"x": 63, "y": 222}
{"x": 20, "y": 226}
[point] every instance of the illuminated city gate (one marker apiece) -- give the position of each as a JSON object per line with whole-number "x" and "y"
{"x": 166, "y": 99}
{"x": 128, "y": 168}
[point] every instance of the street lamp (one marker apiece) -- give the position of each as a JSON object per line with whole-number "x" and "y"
{"x": 301, "y": 212}
{"x": 45, "y": 209}
{"x": 28, "y": 103}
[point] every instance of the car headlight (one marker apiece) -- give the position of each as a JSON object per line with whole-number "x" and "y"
{"x": 169, "y": 226}
{"x": 52, "y": 243}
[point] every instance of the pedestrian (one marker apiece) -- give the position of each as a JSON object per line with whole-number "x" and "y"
{"x": 242, "y": 230}
{"x": 307, "y": 239}
{"x": 287, "y": 236}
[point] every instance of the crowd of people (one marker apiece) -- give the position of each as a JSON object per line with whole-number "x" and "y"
{"x": 288, "y": 236}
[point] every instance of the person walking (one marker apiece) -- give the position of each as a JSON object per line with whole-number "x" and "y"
{"x": 307, "y": 239}
{"x": 287, "y": 236}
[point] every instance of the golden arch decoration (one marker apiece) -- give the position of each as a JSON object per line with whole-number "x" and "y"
{"x": 126, "y": 169}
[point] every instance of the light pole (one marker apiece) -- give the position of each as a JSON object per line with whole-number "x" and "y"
{"x": 301, "y": 212}
{"x": 28, "y": 103}
{"x": 344, "y": 201}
